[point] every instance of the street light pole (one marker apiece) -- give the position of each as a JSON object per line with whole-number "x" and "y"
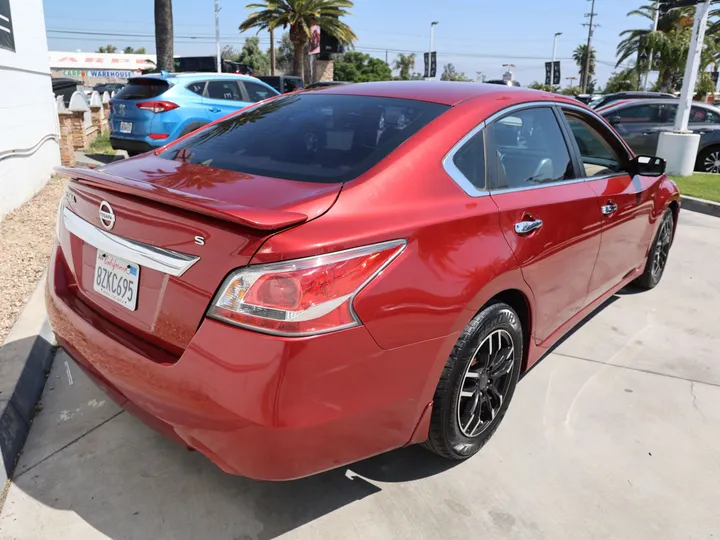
{"x": 217, "y": 37}
{"x": 432, "y": 44}
{"x": 650, "y": 56}
{"x": 692, "y": 66}
{"x": 552, "y": 65}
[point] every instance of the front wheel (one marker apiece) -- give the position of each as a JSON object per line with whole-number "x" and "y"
{"x": 477, "y": 383}
{"x": 659, "y": 253}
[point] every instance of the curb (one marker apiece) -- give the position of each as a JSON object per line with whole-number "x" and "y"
{"x": 25, "y": 358}
{"x": 700, "y": 205}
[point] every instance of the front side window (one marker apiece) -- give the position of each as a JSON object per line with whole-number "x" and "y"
{"x": 530, "y": 149}
{"x": 227, "y": 90}
{"x": 596, "y": 151}
{"x": 651, "y": 113}
{"x": 258, "y": 92}
{"x": 308, "y": 137}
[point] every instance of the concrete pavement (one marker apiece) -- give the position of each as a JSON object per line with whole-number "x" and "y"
{"x": 613, "y": 435}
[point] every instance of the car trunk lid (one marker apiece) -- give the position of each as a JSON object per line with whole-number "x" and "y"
{"x": 166, "y": 208}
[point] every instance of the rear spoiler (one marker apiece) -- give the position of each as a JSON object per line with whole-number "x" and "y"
{"x": 254, "y": 218}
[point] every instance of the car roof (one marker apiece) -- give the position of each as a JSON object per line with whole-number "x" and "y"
{"x": 638, "y": 93}
{"x": 195, "y": 75}
{"x": 662, "y": 101}
{"x": 442, "y": 92}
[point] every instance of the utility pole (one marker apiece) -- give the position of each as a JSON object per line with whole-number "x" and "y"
{"x": 650, "y": 56}
{"x": 591, "y": 28}
{"x": 386, "y": 56}
{"x": 572, "y": 80}
{"x": 272, "y": 50}
{"x": 217, "y": 37}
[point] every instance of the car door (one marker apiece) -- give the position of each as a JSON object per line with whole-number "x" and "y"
{"x": 640, "y": 125}
{"x": 625, "y": 202}
{"x": 548, "y": 214}
{"x": 223, "y": 97}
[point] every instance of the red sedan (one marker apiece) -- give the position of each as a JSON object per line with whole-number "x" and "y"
{"x": 336, "y": 273}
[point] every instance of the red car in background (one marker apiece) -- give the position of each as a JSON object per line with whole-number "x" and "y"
{"x": 332, "y": 274}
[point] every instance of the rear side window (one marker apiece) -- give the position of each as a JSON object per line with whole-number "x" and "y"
{"x": 470, "y": 160}
{"x": 701, "y": 115}
{"x": 143, "y": 89}
{"x": 308, "y": 137}
{"x": 228, "y": 90}
{"x": 530, "y": 149}
{"x": 197, "y": 87}
{"x": 258, "y": 92}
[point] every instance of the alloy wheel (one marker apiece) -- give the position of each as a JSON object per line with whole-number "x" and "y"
{"x": 712, "y": 162}
{"x": 662, "y": 248}
{"x": 486, "y": 383}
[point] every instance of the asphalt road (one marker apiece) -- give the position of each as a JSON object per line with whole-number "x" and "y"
{"x": 616, "y": 434}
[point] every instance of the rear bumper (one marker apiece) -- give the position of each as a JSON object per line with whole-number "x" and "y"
{"x": 132, "y": 145}
{"x": 259, "y": 406}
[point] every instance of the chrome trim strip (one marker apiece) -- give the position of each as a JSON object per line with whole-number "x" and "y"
{"x": 454, "y": 173}
{"x": 164, "y": 260}
{"x": 538, "y": 186}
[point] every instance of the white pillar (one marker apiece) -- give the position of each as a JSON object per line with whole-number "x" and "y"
{"x": 692, "y": 66}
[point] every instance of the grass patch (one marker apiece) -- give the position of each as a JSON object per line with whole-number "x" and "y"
{"x": 702, "y": 186}
{"x": 101, "y": 145}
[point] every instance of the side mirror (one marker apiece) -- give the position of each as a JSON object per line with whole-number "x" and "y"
{"x": 648, "y": 166}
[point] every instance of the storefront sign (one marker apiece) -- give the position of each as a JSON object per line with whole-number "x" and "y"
{"x": 94, "y": 73}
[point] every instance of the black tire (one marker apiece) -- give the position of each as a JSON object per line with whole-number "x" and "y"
{"x": 191, "y": 127}
{"x": 447, "y": 436}
{"x": 711, "y": 155}
{"x": 659, "y": 253}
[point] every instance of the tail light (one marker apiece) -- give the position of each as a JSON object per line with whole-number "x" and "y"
{"x": 157, "y": 106}
{"x": 302, "y": 297}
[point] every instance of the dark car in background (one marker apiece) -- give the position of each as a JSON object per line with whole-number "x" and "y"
{"x": 640, "y": 123}
{"x": 62, "y": 86}
{"x": 283, "y": 83}
{"x": 108, "y": 87}
{"x": 607, "y": 99}
{"x": 325, "y": 84}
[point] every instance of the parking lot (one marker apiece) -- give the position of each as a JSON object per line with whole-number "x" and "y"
{"x": 615, "y": 434}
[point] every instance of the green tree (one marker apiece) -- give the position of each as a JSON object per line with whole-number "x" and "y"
{"x": 622, "y": 81}
{"x": 451, "y": 74}
{"x": 252, "y": 55}
{"x": 580, "y": 55}
{"x": 228, "y": 52}
{"x": 107, "y": 49}
{"x": 300, "y": 16}
{"x": 284, "y": 54}
{"x": 360, "y": 67}
{"x": 571, "y": 91}
{"x": 130, "y": 50}
{"x": 164, "y": 44}
{"x": 405, "y": 64}
{"x": 544, "y": 87}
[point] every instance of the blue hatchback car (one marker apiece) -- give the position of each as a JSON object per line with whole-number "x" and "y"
{"x": 153, "y": 110}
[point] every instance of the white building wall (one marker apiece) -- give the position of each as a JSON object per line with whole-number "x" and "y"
{"x": 28, "y": 120}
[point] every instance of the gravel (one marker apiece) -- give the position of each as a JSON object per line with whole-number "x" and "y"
{"x": 26, "y": 238}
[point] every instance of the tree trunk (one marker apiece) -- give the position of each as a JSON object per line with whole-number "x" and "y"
{"x": 164, "y": 34}
{"x": 298, "y": 38}
{"x": 272, "y": 52}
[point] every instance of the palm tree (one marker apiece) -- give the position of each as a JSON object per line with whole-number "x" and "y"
{"x": 300, "y": 16}
{"x": 405, "y": 64}
{"x": 580, "y": 57}
{"x": 164, "y": 34}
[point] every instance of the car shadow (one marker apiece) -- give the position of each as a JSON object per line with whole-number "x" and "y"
{"x": 104, "y": 158}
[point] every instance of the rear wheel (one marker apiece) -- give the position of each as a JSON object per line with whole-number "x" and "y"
{"x": 659, "y": 252}
{"x": 477, "y": 384}
{"x": 709, "y": 160}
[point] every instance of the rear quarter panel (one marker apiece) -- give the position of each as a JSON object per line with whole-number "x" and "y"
{"x": 192, "y": 109}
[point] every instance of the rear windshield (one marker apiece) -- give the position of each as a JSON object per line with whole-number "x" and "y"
{"x": 308, "y": 137}
{"x": 142, "y": 89}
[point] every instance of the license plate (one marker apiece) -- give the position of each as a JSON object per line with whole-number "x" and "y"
{"x": 117, "y": 279}
{"x": 125, "y": 127}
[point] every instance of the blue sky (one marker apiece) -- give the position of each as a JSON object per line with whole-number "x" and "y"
{"x": 475, "y": 35}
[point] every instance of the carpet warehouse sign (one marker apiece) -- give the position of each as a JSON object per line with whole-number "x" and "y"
{"x": 99, "y": 73}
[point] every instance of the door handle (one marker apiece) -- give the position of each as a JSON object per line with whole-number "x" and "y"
{"x": 526, "y": 227}
{"x": 214, "y": 109}
{"x": 649, "y": 133}
{"x": 609, "y": 209}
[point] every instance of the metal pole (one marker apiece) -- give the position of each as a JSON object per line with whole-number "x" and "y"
{"x": 552, "y": 65}
{"x": 650, "y": 56}
{"x": 692, "y": 66}
{"x": 586, "y": 73}
{"x": 217, "y": 37}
